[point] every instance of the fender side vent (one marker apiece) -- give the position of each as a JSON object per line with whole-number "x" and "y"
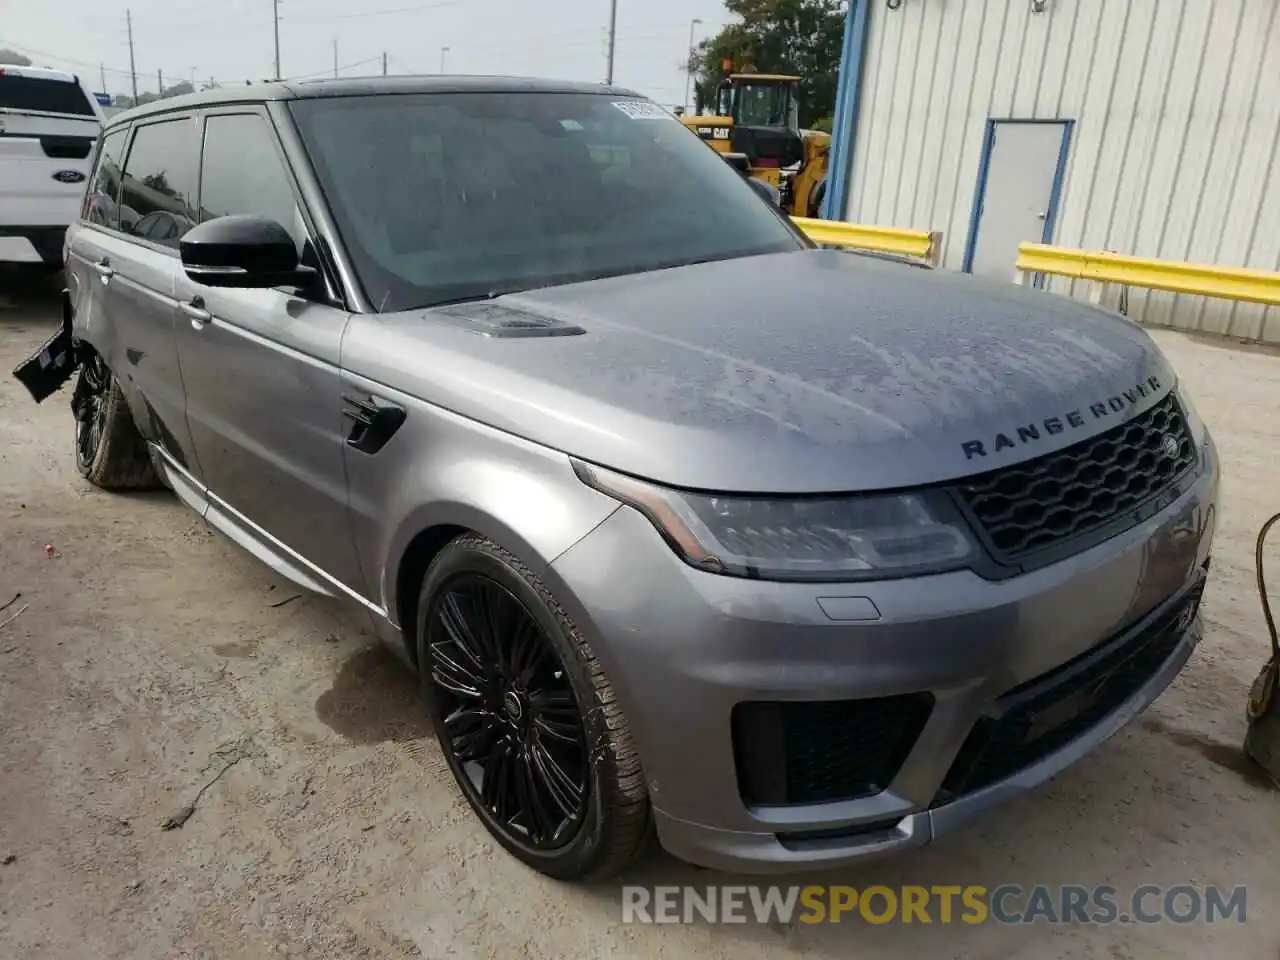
{"x": 492, "y": 320}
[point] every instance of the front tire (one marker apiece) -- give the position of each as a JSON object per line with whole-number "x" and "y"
{"x": 525, "y": 716}
{"x": 110, "y": 453}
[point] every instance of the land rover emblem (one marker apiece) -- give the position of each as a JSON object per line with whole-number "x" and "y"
{"x": 69, "y": 176}
{"x": 1170, "y": 446}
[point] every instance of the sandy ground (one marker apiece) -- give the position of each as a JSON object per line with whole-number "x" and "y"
{"x": 152, "y": 653}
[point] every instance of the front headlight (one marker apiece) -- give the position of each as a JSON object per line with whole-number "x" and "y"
{"x": 854, "y": 537}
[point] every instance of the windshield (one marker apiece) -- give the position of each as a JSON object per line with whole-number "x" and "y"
{"x": 765, "y": 105}
{"x": 444, "y": 197}
{"x": 724, "y": 101}
{"x": 45, "y": 94}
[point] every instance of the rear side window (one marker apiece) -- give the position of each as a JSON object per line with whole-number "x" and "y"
{"x": 160, "y": 182}
{"x": 44, "y": 94}
{"x": 103, "y": 196}
{"x": 242, "y": 172}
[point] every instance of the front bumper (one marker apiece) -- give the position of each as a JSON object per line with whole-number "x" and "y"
{"x": 54, "y": 362}
{"x": 683, "y": 648}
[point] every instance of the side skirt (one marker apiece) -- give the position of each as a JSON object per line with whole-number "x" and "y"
{"x": 248, "y": 535}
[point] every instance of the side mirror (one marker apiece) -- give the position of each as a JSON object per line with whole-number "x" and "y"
{"x": 242, "y": 251}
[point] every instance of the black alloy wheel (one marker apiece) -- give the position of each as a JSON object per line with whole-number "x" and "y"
{"x": 511, "y": 725}
{"x": 89, "y": 406}
{"x": 110, "y": 453}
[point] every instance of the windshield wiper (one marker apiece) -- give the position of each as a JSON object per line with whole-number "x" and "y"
{"x": 586, "y": 276}
{"x": 471, "y": 298}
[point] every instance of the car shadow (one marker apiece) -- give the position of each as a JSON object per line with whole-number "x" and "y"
{"x": 374, "y": 698}
{"x": 29, "y": 289}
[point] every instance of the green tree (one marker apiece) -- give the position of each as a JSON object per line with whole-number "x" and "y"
{"x": 801, "y": 37}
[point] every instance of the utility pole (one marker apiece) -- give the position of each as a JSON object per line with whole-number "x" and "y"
{"x": 159, "y": 84}
{"x": 443, "y": 51}
{"x": 133, "y": 70}
{"x": 335, "y": 58}
{"x": 275, "y": 11}
{"x": 384, "y": 63}
{"x": 102, "y": 74}
{"x": 688, "y": 65}
{"x": 613, "y": 36}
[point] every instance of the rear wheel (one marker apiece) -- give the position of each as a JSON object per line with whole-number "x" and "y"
{"x": 525, "y": 716}
{"x": 110, "y": 453}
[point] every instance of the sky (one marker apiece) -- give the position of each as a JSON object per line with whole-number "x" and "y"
{"x": 232, "y": 40}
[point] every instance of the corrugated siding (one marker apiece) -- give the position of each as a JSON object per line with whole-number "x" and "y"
{"x": 1174, "y": 150}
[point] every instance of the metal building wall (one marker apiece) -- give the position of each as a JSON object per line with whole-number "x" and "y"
{"x": 1174, "y": 152}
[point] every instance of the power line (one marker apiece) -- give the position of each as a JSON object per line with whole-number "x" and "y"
{"x": 335, "y": 70}
{"x": 539, "y": 42}
{"x": 182, "y": 18}
{"x": 376, "y": 13}
{"x": 626, "y": 35}
{"x": 58, "y": 58}
{"x": 127, "y": 73}
{"x": 49, "y": 56}
{"x": 544, "y": 41}
{"x": 404, "y": 66}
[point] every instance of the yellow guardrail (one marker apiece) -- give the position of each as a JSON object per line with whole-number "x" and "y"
{"x": 1230, "y": 283}
{"x": 922, "y": 244}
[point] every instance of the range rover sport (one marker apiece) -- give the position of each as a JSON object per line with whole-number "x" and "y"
{"x": 793, "y": 555}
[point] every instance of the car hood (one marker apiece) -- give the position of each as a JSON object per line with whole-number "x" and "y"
{"x": 798, "y": 372}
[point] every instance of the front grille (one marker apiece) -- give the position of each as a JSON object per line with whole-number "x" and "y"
{"x": 1039, "y": 717}
{"x": 765, "y": 143}
{"x": 1074, "y": 492}
{"x": 822, "y": 751}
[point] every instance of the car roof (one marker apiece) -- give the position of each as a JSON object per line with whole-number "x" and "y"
{"x": 763, "y": 76}
{"x": 37, "y": 73}
{"x": 361, "y": 87}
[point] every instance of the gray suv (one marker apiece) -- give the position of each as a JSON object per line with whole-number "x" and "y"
{"x": 791, "y": 554}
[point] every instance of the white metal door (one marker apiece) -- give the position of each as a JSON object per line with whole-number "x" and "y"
{"x": 1017, "y": 193}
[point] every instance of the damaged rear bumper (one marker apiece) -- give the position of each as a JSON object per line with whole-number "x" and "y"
{"x": 46, "y": 370}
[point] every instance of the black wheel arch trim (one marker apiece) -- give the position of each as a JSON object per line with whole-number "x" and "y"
{"x": 55, "y": 361}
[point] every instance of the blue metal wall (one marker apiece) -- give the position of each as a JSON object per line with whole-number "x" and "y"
{"x": 840, "y": 168}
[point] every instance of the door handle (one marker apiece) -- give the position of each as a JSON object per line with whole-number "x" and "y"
{"x": 104, "y": 270}
{"x": 194, "y": 309}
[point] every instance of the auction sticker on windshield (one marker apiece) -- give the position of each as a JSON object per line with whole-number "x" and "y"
{"x": 641, "y": 110}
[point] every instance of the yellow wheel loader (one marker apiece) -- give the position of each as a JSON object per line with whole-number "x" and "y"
{"x": 754, "y": 123}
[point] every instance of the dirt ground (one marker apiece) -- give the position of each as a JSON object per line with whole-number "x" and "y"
{"x": 150, "y": 654}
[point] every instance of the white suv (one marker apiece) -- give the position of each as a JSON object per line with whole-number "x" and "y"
{"x": 49, "y": 123}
